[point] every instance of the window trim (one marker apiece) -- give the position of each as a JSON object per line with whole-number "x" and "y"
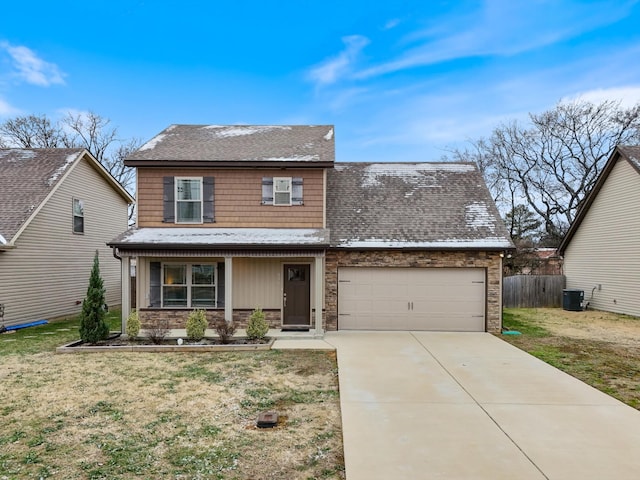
{"x": 289, "y": 191}
{"x": 74, "y": 216}
{"x": 189, "y": 285}
{"x": 176, "y": 200}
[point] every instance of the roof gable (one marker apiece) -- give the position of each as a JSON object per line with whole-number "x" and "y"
{"x": 630, "y": 154}
{"x": 412, "y": 205}
{"x": 28, "y": 177}
{"x": 238, "y": 145}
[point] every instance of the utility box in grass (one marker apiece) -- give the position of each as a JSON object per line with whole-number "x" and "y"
{"x": 572, "y": 300}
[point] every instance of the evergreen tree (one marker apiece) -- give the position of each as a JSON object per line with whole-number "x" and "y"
{"x": 93, "y": 327}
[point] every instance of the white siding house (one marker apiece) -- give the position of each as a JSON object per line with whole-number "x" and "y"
{"x": 57, "y": 207}
{"x": 602, "y": 248}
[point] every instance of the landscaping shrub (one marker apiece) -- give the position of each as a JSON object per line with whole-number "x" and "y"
{"x": 225, "y": 330}
{"x": 158, "y": 330}
{"x": 133, "y": 324}
{"x": 93, "y": 326}
{"x": 196, "y": 325}
{"x": 257, "y": 326}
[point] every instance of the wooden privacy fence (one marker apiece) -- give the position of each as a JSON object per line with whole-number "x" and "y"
{"x": 532, "y": 291}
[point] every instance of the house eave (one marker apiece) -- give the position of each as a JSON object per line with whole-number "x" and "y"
{"x": 226, "y": 164}
{"x": 218, "y": 246}
{"x": 617, "y": 154}
{"x": 423, "y": 249}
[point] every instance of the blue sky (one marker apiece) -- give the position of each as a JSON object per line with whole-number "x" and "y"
{"x": 401, "y": 80}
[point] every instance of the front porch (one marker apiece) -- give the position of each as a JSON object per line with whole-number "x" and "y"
{"x": 287, "y": 285}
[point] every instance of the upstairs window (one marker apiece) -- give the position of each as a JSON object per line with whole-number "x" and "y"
{"x": 282, "y": 191}
{"x": 188, "y": 200}
{"x": 78, "y": 216}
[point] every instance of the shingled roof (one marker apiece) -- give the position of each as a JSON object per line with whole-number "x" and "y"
{"x": 28, "y": 177}
{"x": 412, "y": 205}
{"x": 234, "y": 145}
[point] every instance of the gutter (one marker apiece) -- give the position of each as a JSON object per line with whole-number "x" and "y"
{"x": 7, "y": 247}
{"x": 209, "y": 246}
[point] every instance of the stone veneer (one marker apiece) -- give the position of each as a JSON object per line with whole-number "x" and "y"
{"x": 491, "y": 261}
{"x": 177, "y": 317}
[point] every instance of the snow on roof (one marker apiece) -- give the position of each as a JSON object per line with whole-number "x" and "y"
{"x": 17, "y": 154}
{"x": 238, "y": 130}
{"x": 226, "y": 236}
{"x": 68, "y": 161}
{"x": 419, "y": 175}
{"x": 293, "y": 158}
{"x": 477, "y": 216}
{"x": 151, "y": 144}
{"x": 3, "y": 241}
{"x": 456, "y": 243}
{"x": 329, "y": 135}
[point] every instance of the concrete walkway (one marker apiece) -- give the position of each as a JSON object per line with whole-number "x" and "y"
{"x": 422, "y": 405}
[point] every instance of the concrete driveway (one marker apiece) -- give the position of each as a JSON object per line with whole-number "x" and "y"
{"x": 423, "y": 405}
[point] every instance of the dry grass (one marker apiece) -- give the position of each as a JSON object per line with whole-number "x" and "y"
{"x": 600, "y": 348}
{"x": 174, "y": 415}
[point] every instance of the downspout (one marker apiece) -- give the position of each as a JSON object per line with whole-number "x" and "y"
{"x": 115, "y": 255}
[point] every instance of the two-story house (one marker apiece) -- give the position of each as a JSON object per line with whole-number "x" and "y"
{"x": 231, "y": 218}
{"x": 58, "y": 207}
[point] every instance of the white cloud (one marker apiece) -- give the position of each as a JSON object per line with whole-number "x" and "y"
{"x": 496, "y": 29}
{"x": 6, "y": 110}
{"x": 31, "y": 68}
{"x": 393, "y": 23}
{"x": 628, "y": 96}
{"x": 331, "y": 70}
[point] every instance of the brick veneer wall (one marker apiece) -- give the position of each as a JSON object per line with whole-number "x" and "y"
{"x": 178, "y": 317}
{"x": 491, "y": 261}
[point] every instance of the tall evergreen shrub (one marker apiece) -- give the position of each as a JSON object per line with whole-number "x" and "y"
{"x": 93, "y": 327}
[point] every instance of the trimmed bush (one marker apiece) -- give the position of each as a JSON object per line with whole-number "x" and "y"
{"x": 133, "y": 324}
{"x": 196, "y": 325}
{"x": 257, "y": 326}
{"x": 225, "y": 330}
{"x": 158, "y": 330}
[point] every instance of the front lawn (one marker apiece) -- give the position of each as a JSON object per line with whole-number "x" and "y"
{"x": 602, "y": 349}
{"x": 169, "y": 415}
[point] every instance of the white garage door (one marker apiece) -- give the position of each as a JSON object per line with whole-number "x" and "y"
{"x": 447, "y": 299}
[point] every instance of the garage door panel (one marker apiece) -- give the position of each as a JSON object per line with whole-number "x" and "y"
{"x": 450, "y": 299}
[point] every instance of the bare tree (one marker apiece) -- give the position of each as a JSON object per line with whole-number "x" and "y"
{"x": 30, "y": 131}
{"x": 553, "y": 161}
{"x": 79, "y": 130}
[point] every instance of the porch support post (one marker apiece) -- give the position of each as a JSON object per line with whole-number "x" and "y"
{"x": 228, "y": 288}
{"x": 125, "y": 278}
{"x": 319, "y": 282}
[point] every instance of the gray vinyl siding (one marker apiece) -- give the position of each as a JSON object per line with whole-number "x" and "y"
{"x": 47, "y": 274}
{"x": 603, "y": 257}
{"x": 257, "y": 282}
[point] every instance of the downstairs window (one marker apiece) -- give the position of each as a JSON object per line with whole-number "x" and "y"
{"x": 189, "y": 285}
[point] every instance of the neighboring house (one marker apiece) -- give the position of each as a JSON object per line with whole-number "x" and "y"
{"x": 57, "y": 207}
{"x": 601, "y": 249}
{"x": 236, "y": 217}
{"x": 533, "y": 261}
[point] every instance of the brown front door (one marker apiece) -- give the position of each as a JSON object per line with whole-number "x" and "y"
{"x": 296, "y": 297}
